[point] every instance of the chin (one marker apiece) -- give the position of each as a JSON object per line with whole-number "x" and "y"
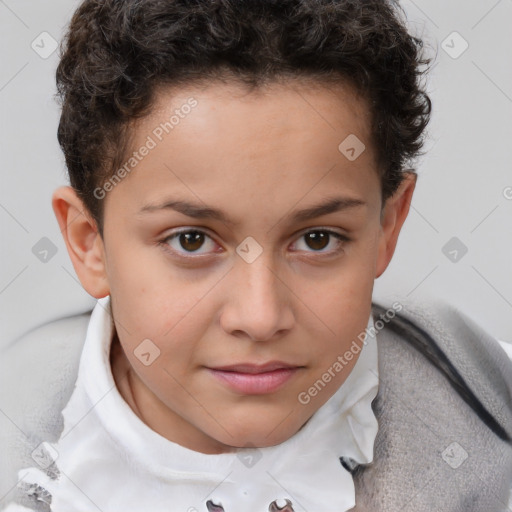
{"x": 252, "y": 437}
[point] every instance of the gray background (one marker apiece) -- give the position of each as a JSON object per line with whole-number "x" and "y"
{"x": 464, "y": 188}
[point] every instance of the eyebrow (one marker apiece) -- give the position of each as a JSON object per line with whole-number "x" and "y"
{"x": 198, "y": 211}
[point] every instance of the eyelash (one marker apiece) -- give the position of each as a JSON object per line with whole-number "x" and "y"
{"x": 342, "y": 239}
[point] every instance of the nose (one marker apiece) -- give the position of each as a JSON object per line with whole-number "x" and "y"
{"x": 259, "y": 303}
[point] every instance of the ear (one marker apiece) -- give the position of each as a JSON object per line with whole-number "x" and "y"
{"x": 394, "y": 213}
{"x": 83, "y": 241}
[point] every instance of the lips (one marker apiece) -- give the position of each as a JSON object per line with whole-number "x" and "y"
{"x": 255, "y": 379}
{"x": 255, "y": 368}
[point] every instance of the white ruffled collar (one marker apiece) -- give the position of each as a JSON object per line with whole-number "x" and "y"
{"x": 305, "y": 469}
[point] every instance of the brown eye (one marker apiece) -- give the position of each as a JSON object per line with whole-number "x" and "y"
{"x": 191, "y": 240}
{"x": 319, "y": 240}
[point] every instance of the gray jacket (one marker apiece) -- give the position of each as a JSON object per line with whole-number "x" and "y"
{"x": 444, "y": 409}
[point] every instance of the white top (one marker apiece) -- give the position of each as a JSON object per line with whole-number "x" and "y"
{"x": 109, "y": 459}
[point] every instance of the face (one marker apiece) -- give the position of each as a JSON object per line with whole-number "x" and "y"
{"x": 244, "y": 244}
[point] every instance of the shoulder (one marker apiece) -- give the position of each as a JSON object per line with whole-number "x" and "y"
{"x": 444, "y": 404}
{"x": 470, "y": 358}
{"x": 37, "y": 376}
{"x": 46, "y": 357}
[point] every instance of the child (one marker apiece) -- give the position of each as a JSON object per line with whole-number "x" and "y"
{"x": 238, "y": 181}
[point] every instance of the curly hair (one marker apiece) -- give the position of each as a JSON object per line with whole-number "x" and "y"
{"x": 116, "y": 53}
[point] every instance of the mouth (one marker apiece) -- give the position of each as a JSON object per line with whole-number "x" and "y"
{"x": 252, "y": 379}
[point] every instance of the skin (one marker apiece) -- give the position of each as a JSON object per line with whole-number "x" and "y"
{"x": 298, "y": 302}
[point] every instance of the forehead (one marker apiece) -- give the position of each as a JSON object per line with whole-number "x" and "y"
{"x": 335, "y": 105}
{"x": 281, "y": 140}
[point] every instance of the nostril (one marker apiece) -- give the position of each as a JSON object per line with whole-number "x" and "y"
{"x": 281, "y": 506}
{"x": 213, "y": 507}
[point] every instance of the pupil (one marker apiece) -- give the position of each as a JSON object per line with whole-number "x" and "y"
{"x": 317, "y": 239}
{"x": 192, "y": 240}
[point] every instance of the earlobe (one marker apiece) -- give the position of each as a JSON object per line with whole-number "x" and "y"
{"x": 83, "y": 241}
{"x": 394, "y": 214}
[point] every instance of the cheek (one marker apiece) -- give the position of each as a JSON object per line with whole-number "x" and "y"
{"x": 173, "y": 319}
{"x": 347, "y": 288}
{"x": 341, "y": 307}
{"x": 141, "y": 296}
